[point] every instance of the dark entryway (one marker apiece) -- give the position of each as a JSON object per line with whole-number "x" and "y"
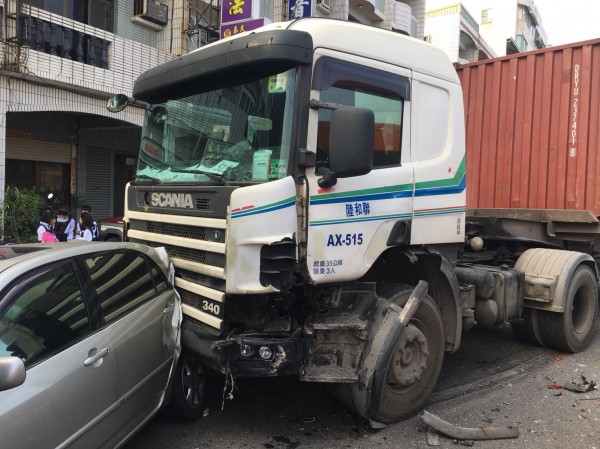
{"x": 124, "y": 167}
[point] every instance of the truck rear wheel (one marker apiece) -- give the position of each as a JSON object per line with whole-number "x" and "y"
{"x": 527, "y": 330}
{"x": 571, "y": 330}
{"x": 413, "y": 365}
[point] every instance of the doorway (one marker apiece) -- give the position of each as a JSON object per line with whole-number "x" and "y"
{"x": 125, "y": 166}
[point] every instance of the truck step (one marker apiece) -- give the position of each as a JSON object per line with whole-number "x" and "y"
{"x": 329, "y": 374}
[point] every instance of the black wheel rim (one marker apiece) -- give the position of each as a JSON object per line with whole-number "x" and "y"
{"x": 192, "y": 378}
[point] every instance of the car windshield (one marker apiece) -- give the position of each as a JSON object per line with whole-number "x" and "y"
{"x": 233, "y": 134}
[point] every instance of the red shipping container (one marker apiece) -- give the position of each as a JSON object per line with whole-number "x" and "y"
{"x": 533, "y": 129}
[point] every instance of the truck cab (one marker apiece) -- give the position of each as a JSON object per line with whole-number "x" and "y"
{"x": 308, "y": 182}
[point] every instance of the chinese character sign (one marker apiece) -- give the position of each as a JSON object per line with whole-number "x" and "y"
{"x": 299, "y": 9}
{"x": 358, "y": 209}
{"x": 239, "y": 27}
{"x": 235, "y": 10}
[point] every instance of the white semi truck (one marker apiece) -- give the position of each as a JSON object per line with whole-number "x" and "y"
{"x": 308, "y": 182}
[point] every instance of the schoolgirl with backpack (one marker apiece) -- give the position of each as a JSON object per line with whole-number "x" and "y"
{"x": 64, "y": 228}
{"x": 45, "y": 231}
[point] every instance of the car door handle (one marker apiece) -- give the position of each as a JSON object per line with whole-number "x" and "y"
{"x": 169, "y": 307}
{"x": 97, "y": 356}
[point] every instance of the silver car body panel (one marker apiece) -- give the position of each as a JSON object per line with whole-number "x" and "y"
{"x": 99, "y": 391}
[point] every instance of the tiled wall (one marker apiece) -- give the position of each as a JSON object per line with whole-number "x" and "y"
{"x": 133, "y": 30}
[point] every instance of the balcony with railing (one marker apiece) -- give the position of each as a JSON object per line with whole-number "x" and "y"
{"x": 70, "y": 52}
{"x": 58, "y": 36}
{"x": 402, "y": 19}
{"x": 372, "y": 9}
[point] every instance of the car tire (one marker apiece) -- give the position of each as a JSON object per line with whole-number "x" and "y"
{"x": 187, "y": 396}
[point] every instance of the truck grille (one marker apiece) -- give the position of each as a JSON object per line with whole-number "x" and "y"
{"x": 198, "y": 253}
{"x": 188, "y": 232}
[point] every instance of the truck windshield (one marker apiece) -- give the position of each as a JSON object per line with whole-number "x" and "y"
{"x": 237, "y": 133}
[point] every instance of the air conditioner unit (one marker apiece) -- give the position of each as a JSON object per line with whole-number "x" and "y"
{"x": 152, "y": 10}
{"x": 324, "y": 6}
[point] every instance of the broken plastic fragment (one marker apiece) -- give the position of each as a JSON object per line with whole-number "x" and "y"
{"x": 467, "y": 433}
{"x": 433, "y": 438}
{"x": 580, "y": 385}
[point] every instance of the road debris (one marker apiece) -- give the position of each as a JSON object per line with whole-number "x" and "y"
{"x": 433, "y": 438}
{"x": 468, "y": 443}
{"x": 467, "y": 433}
{"x": 580, "y": 385}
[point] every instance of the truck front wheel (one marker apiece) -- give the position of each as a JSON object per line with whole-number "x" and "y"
{"x": 413, "y": 365}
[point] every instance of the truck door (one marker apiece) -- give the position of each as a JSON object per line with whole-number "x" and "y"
{"x": 349, "y": 224}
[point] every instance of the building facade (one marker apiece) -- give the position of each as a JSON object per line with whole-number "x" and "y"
{"x": 454, "y": 30}
{"x": 495, "y": 27}
{"x": 61, "y": 60}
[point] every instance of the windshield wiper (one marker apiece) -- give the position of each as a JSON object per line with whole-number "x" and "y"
{"x": 149, "y": 178}
{"x": 214, "y": 176}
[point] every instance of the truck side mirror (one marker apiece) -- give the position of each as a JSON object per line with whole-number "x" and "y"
{"x": 351, "y": 140}
{"x": 117, "y": 103}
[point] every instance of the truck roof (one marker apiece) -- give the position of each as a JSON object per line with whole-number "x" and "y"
{"x": 372, "y": 42}
{"x": 278, "y": 46}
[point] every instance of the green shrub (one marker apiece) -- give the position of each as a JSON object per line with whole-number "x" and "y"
{"x": 21, "y": 214}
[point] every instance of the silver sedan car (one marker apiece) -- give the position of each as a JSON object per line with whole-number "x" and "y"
{"x": 89, "y": 343}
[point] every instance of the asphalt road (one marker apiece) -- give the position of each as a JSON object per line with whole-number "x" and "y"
{"x": 493, "y": 380}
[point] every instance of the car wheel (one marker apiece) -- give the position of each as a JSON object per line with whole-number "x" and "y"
{"x": 187, "y": 397}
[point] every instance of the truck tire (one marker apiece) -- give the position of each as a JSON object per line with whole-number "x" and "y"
{"x": 187, "y": 397}
{"x": 528, "y": 329}
{"x": 414, "y": 363}
{"x": 571, "y": 330}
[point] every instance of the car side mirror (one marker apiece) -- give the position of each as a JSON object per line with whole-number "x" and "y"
{"x": 12, "y": 372}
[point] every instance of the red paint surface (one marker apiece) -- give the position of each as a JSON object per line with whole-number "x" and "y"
{"x": 520, "y": 115}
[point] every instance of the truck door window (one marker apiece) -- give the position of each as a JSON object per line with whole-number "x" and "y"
{"x": 355, "y": 85}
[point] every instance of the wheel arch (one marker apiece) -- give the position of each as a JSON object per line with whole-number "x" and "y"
{"x": 408, "y": 266}
{"x": 540, "y": 265}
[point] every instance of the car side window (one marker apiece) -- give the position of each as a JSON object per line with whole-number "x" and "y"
{"x": 47, "y": 313}
{"x": 123, "y": 282}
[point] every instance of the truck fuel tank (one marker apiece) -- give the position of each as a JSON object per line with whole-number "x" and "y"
{"x": 498, "y": 292}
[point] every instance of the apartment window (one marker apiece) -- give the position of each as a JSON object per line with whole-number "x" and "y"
{"x": 57, "y": 39}
{"x": 97, "y": 13}
{"x": 203, "y": 25}
{"x": 486, "y": 16}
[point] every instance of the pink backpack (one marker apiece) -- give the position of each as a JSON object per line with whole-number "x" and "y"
{"x": 48, "y": 237}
